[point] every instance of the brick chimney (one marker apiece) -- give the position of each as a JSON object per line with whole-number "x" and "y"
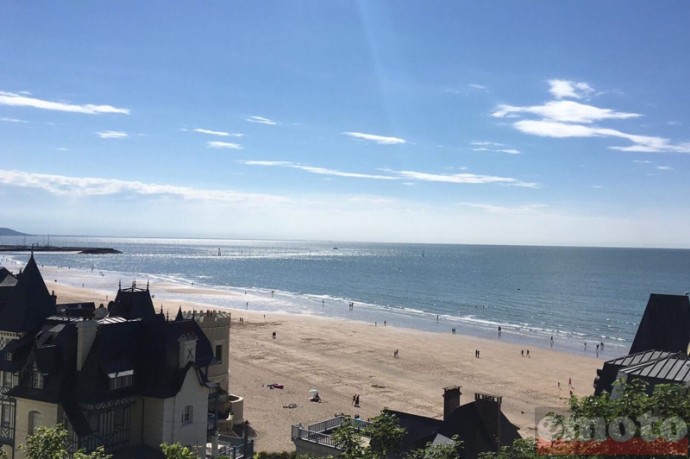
{"x": 86, "y": 333}
{"x": 451, "y": 400}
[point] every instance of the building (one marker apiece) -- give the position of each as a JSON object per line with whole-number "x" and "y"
{"x": 659, "y": 352}
{"x": 480, "y": 425}
{"x": 125, "y": 377}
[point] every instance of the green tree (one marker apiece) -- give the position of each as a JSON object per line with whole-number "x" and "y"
{"x": 385, "y": 435}
{"x": 51, "y": 443}
{"x": 348, "y": 438}
{"x": 46, "y": 443}
{"x": 98, "y": 453}
{"x": 177, "y": 451}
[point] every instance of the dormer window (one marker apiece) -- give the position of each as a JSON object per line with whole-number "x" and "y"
{"x": 120, "y": 379}
{"x": 36, "y": 378}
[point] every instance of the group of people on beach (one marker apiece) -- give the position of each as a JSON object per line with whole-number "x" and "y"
{"x": 522, "y": 353}
{"x": 355, "y": 400}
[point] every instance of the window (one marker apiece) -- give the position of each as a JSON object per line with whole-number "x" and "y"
{"x": 120, "y": 379}
{"x": 36, "y": 378}
{"x": 219, "y": 352}
{"x": 7, "y": 415}
{"x": 187, "y": 414}
{"x": 34, "y": 421}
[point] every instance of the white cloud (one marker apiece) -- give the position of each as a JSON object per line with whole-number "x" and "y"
{"x": 566, "y": 118}
{"x": 112, "y": 134}
{"x": 12, "y": 120}
{"x": 217, "y": 133}
{"x": 466, "y": 178}
{"x": 494, "y": 147}
{"x": 641, "y": 143}
{"x": 572, "y": 89}
{"x": 463, "y": 178}
{"x": 478, "y": 87}
{"x": 641, "y": 161}
{"x": 381, "y": 140}
{"x": 226, "y": 145}
{"x": 317, "y": 170}
{"x": 496, "y": 209}
{"x": 566, "y": 111}
{"x": 664, "y": 168}
{"x": 93, "y": 186}
{"x": 18, "y": 100}
{"x": 260, "y": 120}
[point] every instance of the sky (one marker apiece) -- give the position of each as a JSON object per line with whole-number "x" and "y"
{"x": 534, "y": 122}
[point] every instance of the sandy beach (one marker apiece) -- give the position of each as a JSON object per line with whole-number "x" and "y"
{"x": 341, "y": 358}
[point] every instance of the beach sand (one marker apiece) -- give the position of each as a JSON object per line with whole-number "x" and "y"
{"x": 341, "y": 358}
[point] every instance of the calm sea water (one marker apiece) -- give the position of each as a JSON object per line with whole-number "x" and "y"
{"x": 577, "y": 295}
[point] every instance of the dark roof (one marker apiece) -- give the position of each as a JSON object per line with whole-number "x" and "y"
{"x": 640, "y": 357}
{"x": 674, "y": 368}
{"x": 478, "y": 425}
{"x": 420, "y": 430}
{"x": 133, "y": 303}
{"x": 29, "y": 303}
{"x": 7, "y": 279}
{"x": 665, "y": 325}
{"x": 608, "y": 374}
{"x": 19, "y": 350}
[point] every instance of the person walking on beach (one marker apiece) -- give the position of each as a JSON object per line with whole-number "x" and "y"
{"x": 527, "y": 352}
{"x": 357, "y": 401}
{"x": 522, "y": 352}
{"x": 570, "y": 383}
{"x": 551, "y": 340}
{"x": 395, "y": 354}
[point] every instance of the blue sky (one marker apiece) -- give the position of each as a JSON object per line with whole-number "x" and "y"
{"x": 514, "y": 122}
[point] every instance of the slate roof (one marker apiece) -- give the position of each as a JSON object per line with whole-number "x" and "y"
{"x": 608, "y": 374}
{"x": 673, "y": 369}
{"x": 29, "y": 302}
{"x": 665, "y": 325}
{"x": 132, "y": 303}
{"x": 476, "y": 424}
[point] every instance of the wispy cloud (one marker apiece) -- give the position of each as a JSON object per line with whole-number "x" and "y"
{"x": 496, "y": 209}
{"x": 93, "y": 186}
{"x": 381, "y": 140}
{"x": 466, "y": 178}
{"x": 664, "y": 168}
{"x": 478, "y": 87}
{"x": 317, "y": 170}
{"x": 12, "y": 120}
{"x": 462, "y": 178}
{"x": 494, "y": 147}
{"x": 19, "y": 100}
{"x": 218, "y": 133}
{"x": 260, "y": 120}
{"x": 641, "y": 161}
{"x": 566, "y": 118}
{"x": 573, "y": 89}
{"x": 226, "y": 145}
{"x": 112, "y": 134}
{"x": 566, "y": 111}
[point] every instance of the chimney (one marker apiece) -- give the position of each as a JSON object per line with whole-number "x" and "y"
{"x": 86, "y": 333}
{"x": 451, "y": 400}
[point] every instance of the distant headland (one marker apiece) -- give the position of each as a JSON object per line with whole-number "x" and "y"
{"x": 48, "y": 247}
{"x": 52, "y": 248}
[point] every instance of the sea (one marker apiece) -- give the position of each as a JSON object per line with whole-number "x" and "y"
{"x": 576, "y": 295}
